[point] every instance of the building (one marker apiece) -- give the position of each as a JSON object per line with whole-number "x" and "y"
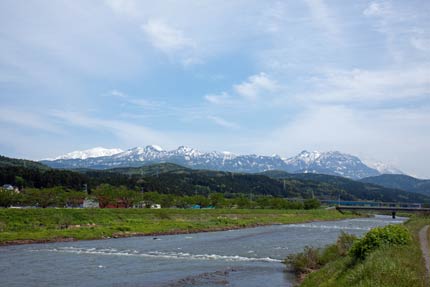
{"x": 90, "y": 203}
{"x": 10, "y": 187}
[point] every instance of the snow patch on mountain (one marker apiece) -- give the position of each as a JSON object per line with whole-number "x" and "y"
{"x": 90, "y": 153}
{"x": 332, "y": 162}
{"x": 383, "y": 168}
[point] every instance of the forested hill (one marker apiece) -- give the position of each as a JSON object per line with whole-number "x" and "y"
{"x": 358, "y": 189}
{"x": 175, "y": 179}
{"x": 26, "y": 173}
{"x": 401, "y": 181}
{"x": 13, "y": 162}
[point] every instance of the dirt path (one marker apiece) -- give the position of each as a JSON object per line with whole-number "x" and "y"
{"x": 425, "y": 248}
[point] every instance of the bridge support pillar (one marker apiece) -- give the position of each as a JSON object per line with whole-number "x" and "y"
{"x": 393, "y": 214}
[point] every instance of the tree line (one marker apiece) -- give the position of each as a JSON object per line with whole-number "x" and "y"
{"x": 120, "y": 196}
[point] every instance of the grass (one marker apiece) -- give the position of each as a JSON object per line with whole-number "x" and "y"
{"x": 400, "y": 266}
{"x": 41, "y": 225}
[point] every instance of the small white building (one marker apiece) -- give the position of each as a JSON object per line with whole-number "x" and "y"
{"x": 10, "y": 187}
{"x": 146, "y": 204}
{"x": 90, "y": 203}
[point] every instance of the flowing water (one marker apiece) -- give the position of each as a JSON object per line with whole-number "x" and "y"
{"x": 246, "y": 257}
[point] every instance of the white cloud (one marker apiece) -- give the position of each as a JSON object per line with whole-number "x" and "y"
{"x": 403, "y": 27}
{"x": 256, "y": 86}
{"x": 218, "y": 99}
{"x": 165, "y": 37}
{"x": 27, "y": 119}
{"x": 129, "y": 134}
{"x": 421, "y": 43}
{"x": 116, "y": 93}
{"x": 273, "y": 17}
{"x": 144, "y": 103}
{"x": 172, "y": 42}
{"x": 223, "y": 123}
{"x": 124, "y": 7}
{"x": 344, "y": 86}
{"x": 324, "y": 18}
{"x": 378, "y": 8}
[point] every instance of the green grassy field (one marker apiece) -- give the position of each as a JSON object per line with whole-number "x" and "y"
{"x": 400, "y": 266}
{"x": 42, "y": 225}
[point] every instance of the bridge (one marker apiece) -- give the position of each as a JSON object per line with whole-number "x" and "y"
{"x": 392, "y": 207}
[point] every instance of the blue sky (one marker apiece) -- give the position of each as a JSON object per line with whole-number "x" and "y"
{"x": 244, "y": 76}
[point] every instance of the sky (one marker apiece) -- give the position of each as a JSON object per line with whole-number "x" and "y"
{"x": 264, "y": 77}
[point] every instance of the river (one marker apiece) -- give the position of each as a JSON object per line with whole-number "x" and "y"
{"x": 246, "y": 257}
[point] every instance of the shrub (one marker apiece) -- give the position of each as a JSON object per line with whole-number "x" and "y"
{"x": 312, "y": 203}
{"x": 8, "y": 197}
{"x": 344, "y": 243}
{"x": 304, "y": 262}
{"x": 380, "y": 236}
{"x": 312, "y": 258}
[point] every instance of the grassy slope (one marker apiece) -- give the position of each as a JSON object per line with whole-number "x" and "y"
{"x": 393, "y": 266}
{"x": 56, "y": 224}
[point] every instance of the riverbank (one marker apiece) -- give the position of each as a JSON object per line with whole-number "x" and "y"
{"x": 23, "y": 226}
{"x": 388, "y": 266}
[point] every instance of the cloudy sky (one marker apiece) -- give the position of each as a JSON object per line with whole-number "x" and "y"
{"x": 244, "y": 76}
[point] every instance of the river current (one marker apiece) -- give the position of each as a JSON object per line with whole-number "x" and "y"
{"x": 246, "y": 257}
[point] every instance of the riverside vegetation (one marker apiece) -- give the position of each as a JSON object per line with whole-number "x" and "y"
{"x": 385, "y": 256}
{"x": 45, "y": 225}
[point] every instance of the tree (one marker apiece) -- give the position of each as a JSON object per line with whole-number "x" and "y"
{"x": 74, "y": 198}
{"x": 218, "y": 200}
{"x": 45, "y": 197}
{"x": 200, "y": 200}
{"x": 105, "y": 194}
{"x": 8, "y": 198}
{"x": 311, "y": 203}
{"x": 151, "y": 198}
{"x": 242, "y": 202}
{"x": 19, "y": 182}
{"x": 126, "y": 196}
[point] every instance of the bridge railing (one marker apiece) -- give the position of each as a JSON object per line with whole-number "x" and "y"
{"x": 372, "y": 203}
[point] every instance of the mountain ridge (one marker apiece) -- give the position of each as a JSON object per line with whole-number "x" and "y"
{"x": 400, "y": 181}
{"x": 331, "y": 162}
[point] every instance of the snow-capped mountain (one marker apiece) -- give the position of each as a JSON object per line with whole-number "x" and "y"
{"x": 89, "y": 153}
{"x": 383, "y": 168}
{"x": 333, "y": 162}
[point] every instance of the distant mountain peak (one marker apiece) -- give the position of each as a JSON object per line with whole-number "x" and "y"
{"x": 383, "y": 168}
{"x": 331, "y": 162}
{"x": 90, "y": 153}
{"x": 156, "y": 147}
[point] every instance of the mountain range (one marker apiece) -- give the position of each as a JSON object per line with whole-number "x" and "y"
{"x": 174, "y": 179}
{"x": 331, "y": 163}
